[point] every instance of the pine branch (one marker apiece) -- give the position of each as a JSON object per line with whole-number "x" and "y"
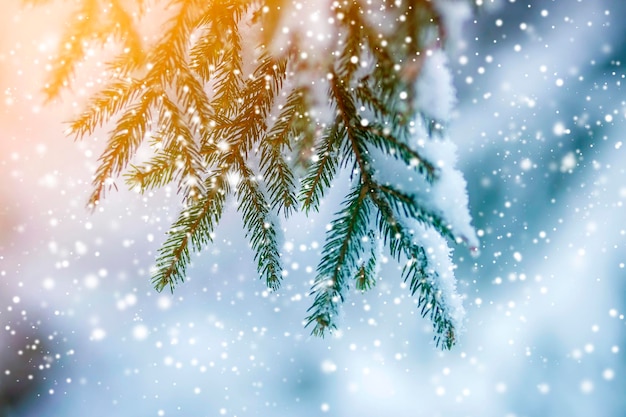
{"x": 124, "y": 141}
{"x": 192, "y": 231}
{"x": 365, "y": 277}
{"x": 159, "y": 171}
{"x": 228, "y": 74}
{"x": 276, "y": 171}
{"x": 303, "y": 138}
{"x": 85, "y": 27}
{"x": 260, "y": 227}
{"x": 423, "y": 278}
{"x": 122, "y": 26}
{"x": 412, "y": 208}
{"x": 279, "y": 178}
{"x": 323, "y": 170}
{"x": 109, "y": 101}
{"x": 209, "y": 122}
{"x": 344, "y": 243}
{"x": 179, "y": 139}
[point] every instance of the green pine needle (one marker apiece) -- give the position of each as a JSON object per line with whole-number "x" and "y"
{"x": 215, "y": 106}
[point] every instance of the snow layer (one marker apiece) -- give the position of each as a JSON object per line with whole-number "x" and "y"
{"x": 436, "y": 95}
{"x": 446, "y": 196}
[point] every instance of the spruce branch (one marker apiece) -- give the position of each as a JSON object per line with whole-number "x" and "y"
{"x": 344, "y": 243}
{"x": 279, "y": 178}
{"x": 260, "y": 227}
{"x": 116, "y": 96}
{"x": 366, "y": 274}
{"x": 399, "y": 149}
{"x": 323, "y": 170}
{"x": 276, "y": 171}
{"x": 124, "y": 141}
{"x": 423, "y": 278}
{"x": 178, "y": 138}
{"x": 228, "y": 73}
{"x": 218, "y": 131}
{"x": 159, "y": 171}
{"x": 191, "y": 231}
{"x": 85, "y": 27}
{"x": 123, "y": 28}
{"x": 304, "y": 132}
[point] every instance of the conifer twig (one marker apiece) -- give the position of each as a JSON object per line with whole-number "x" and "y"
{"x": 228, "y": 116}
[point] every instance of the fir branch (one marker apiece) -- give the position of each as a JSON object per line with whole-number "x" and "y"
{"x": 212, "y": 121}
{"x": 123, "y": 142}
{"x": 206, "y": 53}
{"x": 385, "y": 105}
{"x": 304, "y": 130}
{"x": 260, "y": 227}
{"x": 344, "y": 243}
{"x": 258, "y": 96}
{"x": 179, "y": 139}
{"x": 123, "y": 27}
{"x": 224, "y": 11}
{"x": 112, "y": 99}
{"x": 415, "y": 209}
{"x": 356, "y": 131}
{"x": 84, "y": 27}
{"x": 279, "y": 178}
{"x": 159, "y": 171}
{"x": 379, "y": 137}
{"x": 216, "y": 23}
{"x": 91, "y": 26}
{"x": 365, "y": 277}
{"x": 276, "y": 171}
{"x": 250, "y": 115}
{"x": 423, "y": 278}
{"x": 192, "y": 231}
{"x": 170, "y": 54}
{"x": 228, "y": 73}
{"x": 323, "y": 169}
{"x": 285, "y": 128}
{"x": 192, "y": 97}
{"x": 350, "y": 57}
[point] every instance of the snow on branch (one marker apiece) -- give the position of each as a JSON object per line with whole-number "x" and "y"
{"x": 266, "y": 103}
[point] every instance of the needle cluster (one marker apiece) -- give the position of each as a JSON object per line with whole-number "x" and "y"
{"x": 215, "y": 100}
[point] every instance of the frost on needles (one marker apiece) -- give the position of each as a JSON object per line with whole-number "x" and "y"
{"x": 283, "y": 96}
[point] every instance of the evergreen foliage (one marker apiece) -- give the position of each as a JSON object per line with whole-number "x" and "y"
{"x": 214, "y": 106}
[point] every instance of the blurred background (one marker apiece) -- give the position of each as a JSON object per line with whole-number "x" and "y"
{"x": 540, "y": 128}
